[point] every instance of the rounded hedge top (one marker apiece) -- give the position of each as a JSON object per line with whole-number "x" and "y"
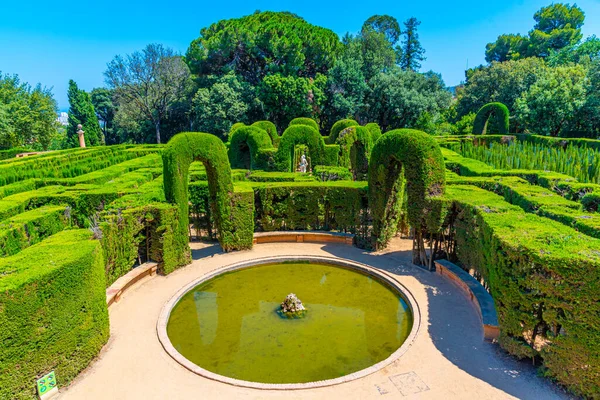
{"x": 305, "y": 121}
{"x": 271, "y": 129}
{"x": 340, "y": 126}
{"x": 493, "y": 118}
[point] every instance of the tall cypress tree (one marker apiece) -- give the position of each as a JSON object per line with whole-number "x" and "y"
{"x": 81, "y": 111}
{"x": 411, "y": 53}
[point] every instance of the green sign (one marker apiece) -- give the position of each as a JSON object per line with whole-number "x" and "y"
{"x": 46, "y": 383}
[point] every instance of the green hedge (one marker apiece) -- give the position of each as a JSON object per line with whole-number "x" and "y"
{"x": 356, "y": 144}
{"x": 29, "y": 228}
{"x": 11, "y": 153}
{"x": 542, "y": 276}
{"x": 305, "y": 121}
{"x": 262, "y": 176}
{"x": 299, "y": 135}
{"x": 375, "y": 130}
{"x": 402, "y": 157}
{"x": 326, "y": 173}
{"x": 53, "y": 313}
{"x": 179, "y": 153}
{"x": 340, "y": 126}
{"x": 245, "y": 145}
{"x": 492, "y": 118}
{"x": 271, "y": 129}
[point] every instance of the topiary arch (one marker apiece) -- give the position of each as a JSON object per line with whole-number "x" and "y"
{"x": 340, "y": 126}
{"x": 179, "y": 153}
{"x": 412, "y": 160}
{"x": 295, "y": 135}
{"x": 270, "y": 128}
{"x": 244, "y": 146}
{"x": 493, "y": 118}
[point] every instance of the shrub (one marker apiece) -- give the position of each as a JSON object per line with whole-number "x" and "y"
{"x": 299, "y": 135}
{"x": 491, "y": 118}
{"x": 271, "y": 129}
{"x": 340, "y": 126}
{"x": 53, "y": 313}
{"x": 244, "y": 146}
{"x": 411, "y": 158}
{"x": 179, "y": 153}
{"x": 375, "y": 131}
{"x": 356, "y": 143}
{"x": 326, "y": 173}
{"x": 305, "y": 121}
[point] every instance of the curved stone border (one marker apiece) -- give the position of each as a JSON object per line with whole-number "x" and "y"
{"x": 161, "y": 326}
{"x": 114, "y": 291}
{"x": 483, "y": 301}
{"x": 303, "y": 236}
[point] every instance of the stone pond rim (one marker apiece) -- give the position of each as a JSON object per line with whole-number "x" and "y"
{"x": 387, "y": 279}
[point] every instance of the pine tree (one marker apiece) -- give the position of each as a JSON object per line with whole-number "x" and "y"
{"x": 411, "y": 53}
{"x": 81, "y": 111}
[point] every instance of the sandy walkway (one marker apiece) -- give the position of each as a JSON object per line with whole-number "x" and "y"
{"x": 447, "y": 360}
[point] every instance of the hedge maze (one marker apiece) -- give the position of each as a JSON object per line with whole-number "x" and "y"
{"x": 74, "y": 221}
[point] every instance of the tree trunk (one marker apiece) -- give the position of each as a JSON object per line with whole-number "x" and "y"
{"x": 157, "y": 125}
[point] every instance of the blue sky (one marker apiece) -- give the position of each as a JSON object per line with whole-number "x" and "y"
{"x": 52, "y": 42}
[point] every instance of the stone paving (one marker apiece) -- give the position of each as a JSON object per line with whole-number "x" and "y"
{"x": 448, "y": 359}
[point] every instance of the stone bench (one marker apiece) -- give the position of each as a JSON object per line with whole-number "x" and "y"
{"x": 476, "y": 293}
{"x": 303, "y": 237}
{"x": 114, "y": 291}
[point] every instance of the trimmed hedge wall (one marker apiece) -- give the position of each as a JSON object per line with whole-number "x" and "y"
{"x": 544, "y": 278}
{"x": 180, "y": 152}
{"x": 245, "y": 145}
{"x": 405, "y": 157}
{"x": 305, "y": 121}
{"x": 53, "y": 313}
{"x": 326, "y": 173}
{"x": 491, "y": 118}
{"x": 356, "y": 144}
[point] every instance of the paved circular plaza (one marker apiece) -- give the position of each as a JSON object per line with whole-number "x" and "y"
{"x": 448, "y": 358}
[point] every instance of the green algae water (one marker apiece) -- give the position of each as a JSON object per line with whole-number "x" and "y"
{"x": 229, "y": 325}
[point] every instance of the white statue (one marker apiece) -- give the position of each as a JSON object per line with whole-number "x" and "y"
{"x": 303, "y": 164}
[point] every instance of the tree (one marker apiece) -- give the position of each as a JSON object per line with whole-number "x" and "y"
{"x": 377, "y": 53}
{"x": 399, "y": 98}
{"x": 149, "y": 82}
{"x": 507, "y": 47}
{"x": 557, "y": 26}
{"x": 411, "y": 53}
{"x": 227, "y": 101}
{"x": 587, "y": 51}
{"x": 263, "y": 43}
{"x": 384, "y": 24}
{"x": 499, "y": 82}
{"x": 549, "y": 105}
{"x": 287, "y": 97}
{"x": 81, "y": 112}
{"x": 346, "y": 84}
{"x": 27, "y": 115}
{"x": 102, "y": 99}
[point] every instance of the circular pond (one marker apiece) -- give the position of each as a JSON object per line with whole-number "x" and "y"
{"x": 230, "y": 324}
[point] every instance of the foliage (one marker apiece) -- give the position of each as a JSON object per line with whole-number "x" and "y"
{"x": 270, "y": 128}
{"x": 305, "y": 121}
{"x": 551, "y": 102}
{"x": 81, "y": 112}
{"x": 53, "y": 314}
{"x": 411, "y": 158}
{"x": 180, "y": 152}
{"x": 586, "y": 51}
{"x": 492, "y": 118}
{"x": 105, "y": 108}
{"x": 261, "y": 44}
{"x": 326, "y": 173}
{"x": 356, "y": 144}
{"x": 245, "y": 145}
{"x": 411, "y": 53}
{"x": 507, "y": 47}
{"x": 27, "y": 115}
{"x": 287, "y": 97}
{"x": 340, "y": 126}
{"x": 149, "y": 83}
{"x": 399, "y": 98}
{"x": 216, "y": 108}
{"x": 384, "y": 24}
